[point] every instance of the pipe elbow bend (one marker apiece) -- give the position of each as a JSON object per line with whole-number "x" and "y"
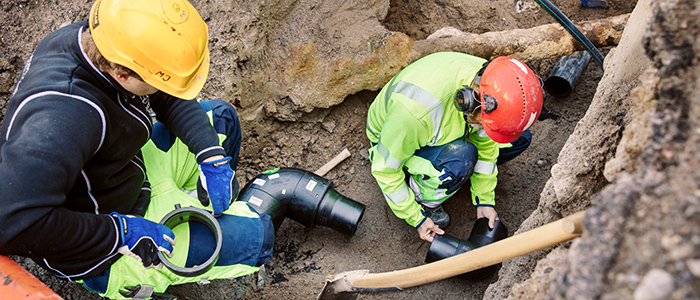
{"x": 303, "y": 197}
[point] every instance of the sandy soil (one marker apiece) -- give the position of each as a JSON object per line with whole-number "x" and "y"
{"x": 305, "y": 256}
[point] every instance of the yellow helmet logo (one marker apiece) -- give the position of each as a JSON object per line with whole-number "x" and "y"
{"x": 164, "y": 41}
{"x": 175, "y": 11}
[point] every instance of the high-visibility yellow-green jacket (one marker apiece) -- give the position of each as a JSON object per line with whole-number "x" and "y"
{"x": 416, "y": 109}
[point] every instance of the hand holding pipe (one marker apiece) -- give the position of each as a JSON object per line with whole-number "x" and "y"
{"x": 446, "y": 245}
{"x": 346, "y": 285}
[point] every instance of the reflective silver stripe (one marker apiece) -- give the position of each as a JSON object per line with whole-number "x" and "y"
{"x": 482, "y": 133}
{"x": 53, "y": 93}
{"x": 141, "y": 119}
{"x": 533, "y": 117}
{"x": 416, "y": 190}
{"x": 89, "y": 192}
{"x": 389, "y": 161}
{"x": 369, "y": 128}
{"x": 399, "y": 195}
{"x": 80, "y": 43}
{"x": 425, "y": 99}
{"x": 439, "y": 193}
{"x": 485, "y": 167}
{"x": 139, "y": 165}
{"x": 75, "y": 276}
{"x": 196, "y": 157}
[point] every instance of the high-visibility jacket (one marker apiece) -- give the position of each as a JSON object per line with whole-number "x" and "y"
{"x": 416, "y": 109}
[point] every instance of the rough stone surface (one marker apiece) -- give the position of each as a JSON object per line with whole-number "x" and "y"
{"x": 303, "y": 73}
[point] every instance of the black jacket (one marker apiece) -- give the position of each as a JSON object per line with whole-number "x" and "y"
{"x": 70, "y": 153}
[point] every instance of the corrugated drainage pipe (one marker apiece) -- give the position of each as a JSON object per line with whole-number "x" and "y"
{"x": 566, "y": 73}
{"x": 444, "y": 246}
{"x": 303, "y": 197}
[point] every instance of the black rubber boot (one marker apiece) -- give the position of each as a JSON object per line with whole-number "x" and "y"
{"x": 438, "y": 215}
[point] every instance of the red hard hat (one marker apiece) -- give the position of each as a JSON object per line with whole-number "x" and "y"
{"x": 511, "y": 99}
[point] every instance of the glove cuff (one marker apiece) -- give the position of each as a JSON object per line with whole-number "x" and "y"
{"x": 121, "y": 227}
{"x": 216, "y": 163}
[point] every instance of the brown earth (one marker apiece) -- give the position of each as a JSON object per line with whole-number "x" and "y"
{"x": 621, "y": 146}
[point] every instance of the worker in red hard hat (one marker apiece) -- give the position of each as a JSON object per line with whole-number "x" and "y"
{"x": 446, "y": 118}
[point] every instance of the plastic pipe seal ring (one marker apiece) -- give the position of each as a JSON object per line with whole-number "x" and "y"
{"x": 186, "y": 214}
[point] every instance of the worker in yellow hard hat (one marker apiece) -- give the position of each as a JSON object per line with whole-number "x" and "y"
{"x": 446, "y": 119}
{"x": 86, "y": 175}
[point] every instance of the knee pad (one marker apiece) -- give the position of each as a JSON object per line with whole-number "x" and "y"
{"x": 456, "y": 164}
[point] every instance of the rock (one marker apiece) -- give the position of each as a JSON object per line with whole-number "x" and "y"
{"x": 656, "y": 285}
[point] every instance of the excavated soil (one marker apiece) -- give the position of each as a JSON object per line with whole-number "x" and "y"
{"x": 305, "y": 256}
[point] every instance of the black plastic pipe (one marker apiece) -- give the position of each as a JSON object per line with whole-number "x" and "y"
{"x": 303, "y": 197}
{"x": 446, "y": 245}
{"x": 595, "y": 3}
{"x": 566, "y": 73}
{"x": 572, "y": 29}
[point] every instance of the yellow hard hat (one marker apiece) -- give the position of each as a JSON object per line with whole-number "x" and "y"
{"x": 163, "y": 41}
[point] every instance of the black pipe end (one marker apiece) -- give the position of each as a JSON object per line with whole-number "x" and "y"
{"x": 566, "y": 73}
{"x": 444, "y": 246}
{"x": 303, "y": 197}
{"x": 483, "y": 235}
{"x": 557, "y": 86}
{"x": 340, "y": 213}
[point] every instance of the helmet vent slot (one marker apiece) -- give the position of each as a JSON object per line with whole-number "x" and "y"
{"x": 522, "y": 92}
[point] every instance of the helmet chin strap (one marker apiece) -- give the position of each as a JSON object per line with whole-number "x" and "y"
{"x": 474, "y": 120}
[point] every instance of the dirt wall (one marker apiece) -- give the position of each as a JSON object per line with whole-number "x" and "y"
{"x": 640, "y": 241}
{"x": 621, "y": 146}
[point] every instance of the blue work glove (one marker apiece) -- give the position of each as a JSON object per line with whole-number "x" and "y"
{"x": 219, "y": 182}
{"x": 142, "y": 239}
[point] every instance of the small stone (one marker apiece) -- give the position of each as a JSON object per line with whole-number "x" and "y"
{"x": 624, "y": 278}
{"x": 657, "y": 284}
{"x": 694, "y": 267}
{"x": 261, "y": 276}
{"x": 364, "y": 153}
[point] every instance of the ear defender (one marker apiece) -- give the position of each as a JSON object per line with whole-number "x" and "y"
{"x": 466, "y": 98}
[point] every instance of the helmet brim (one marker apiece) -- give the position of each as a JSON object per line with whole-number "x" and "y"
{"x": 192, "y": 89}
{"x": 501, "y": 138}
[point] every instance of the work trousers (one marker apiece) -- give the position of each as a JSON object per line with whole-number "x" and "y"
{"x": 436, "y": 173}
{"x": 248, "y": 237}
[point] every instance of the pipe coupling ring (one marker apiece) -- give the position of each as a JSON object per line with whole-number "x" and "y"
{"x": 186, "y": 214}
